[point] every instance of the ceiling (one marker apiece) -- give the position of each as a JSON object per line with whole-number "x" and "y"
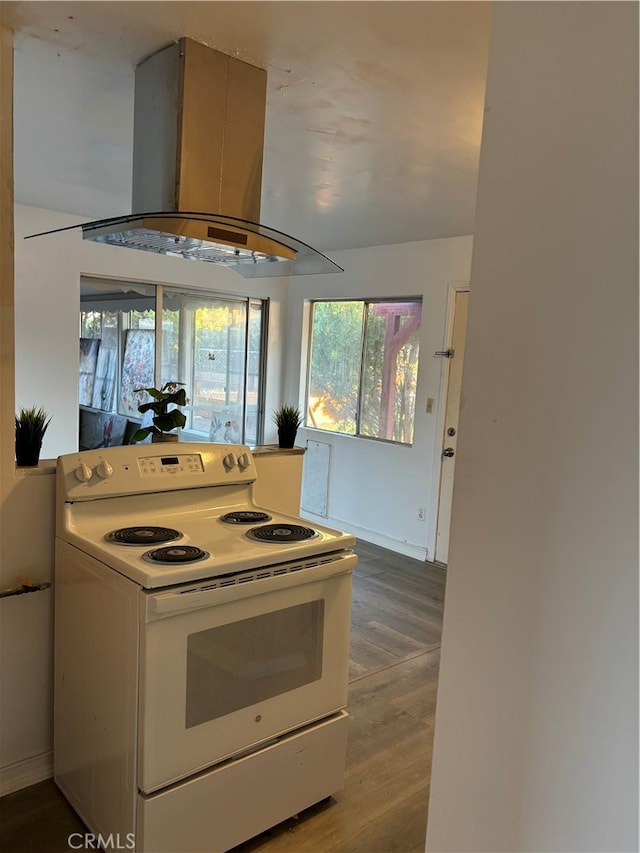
{"x": 374, "y": 109}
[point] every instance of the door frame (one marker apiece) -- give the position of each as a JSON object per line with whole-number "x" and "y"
{"x": 453, "y": 288}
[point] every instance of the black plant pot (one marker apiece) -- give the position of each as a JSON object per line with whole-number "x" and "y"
{"x": 27, "y": 453}
{"x": 286, "y": 437}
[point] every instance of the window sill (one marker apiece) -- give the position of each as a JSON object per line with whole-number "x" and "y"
{"x": 264, "y": 449}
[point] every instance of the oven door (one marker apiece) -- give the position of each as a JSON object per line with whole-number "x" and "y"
{"x": 228, "y": 665}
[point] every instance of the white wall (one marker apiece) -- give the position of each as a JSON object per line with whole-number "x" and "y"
{"x": 47, "y": 304}
{"x": 375, "y": 488}
{"x": 81, "y": 157}
{"x": 536, "y": 744}
{"x": 27, "y": 506}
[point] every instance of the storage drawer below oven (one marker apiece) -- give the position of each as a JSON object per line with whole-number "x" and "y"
{"x": 238, "y": 799}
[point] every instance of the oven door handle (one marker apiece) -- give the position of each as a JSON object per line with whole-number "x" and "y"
{"x": 158, "y": 605}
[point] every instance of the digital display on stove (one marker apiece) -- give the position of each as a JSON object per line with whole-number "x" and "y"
{"x": 188, "y": 463}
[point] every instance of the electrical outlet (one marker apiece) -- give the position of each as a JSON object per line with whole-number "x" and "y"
{"x": 422, "y": 512}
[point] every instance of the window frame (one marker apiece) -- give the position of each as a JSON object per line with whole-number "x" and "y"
{"x": 249, "y": 302}
{"x": 365, "y": 301}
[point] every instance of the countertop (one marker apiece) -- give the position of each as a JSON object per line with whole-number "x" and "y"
{"x": 264, "y": 449}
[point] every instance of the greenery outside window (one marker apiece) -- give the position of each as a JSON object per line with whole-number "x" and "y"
{"x": 363, "y": 367}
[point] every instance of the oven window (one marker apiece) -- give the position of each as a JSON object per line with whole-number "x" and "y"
{"x": 239, "y": 664}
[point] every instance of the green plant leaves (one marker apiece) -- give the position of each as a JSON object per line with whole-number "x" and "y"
{"x": 31, "y": 424}
{"x": 164, "y": 420}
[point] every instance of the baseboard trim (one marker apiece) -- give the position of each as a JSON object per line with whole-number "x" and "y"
{"x": 27, "y": 772}
{"x": 406, "y": 548}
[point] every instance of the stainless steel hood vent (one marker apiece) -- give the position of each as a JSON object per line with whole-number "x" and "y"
{"x": 198, "y": 142}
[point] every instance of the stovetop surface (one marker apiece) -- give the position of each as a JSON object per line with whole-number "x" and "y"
{"x": 228, "y": 547}
{"x": 190, "y": 504}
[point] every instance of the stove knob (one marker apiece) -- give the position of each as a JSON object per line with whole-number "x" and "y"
{"x": 229, "y": 461}
{"x": 104, "y": 469}
{"x": 83, "y": 473}
{"x": 244, "y": 461}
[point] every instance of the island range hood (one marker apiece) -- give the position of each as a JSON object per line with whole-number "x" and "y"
{"x": 198, "y": 142}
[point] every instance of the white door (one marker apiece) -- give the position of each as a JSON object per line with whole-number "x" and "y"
{"x": 450, "y": 435}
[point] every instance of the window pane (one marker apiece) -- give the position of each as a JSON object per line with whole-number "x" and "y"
{"x": 203, "y": 345}
{"x": 363, "y": 365}
{"x": 90, "y": 324}
{"x": 104, "y": 387}
{"x": 206, "y": 350}
{"x": 137, "y": 370}
{"x": 109, "y": 311}
{"x": 334, "y": 371}
{"x": 390, "y": 370}
{"x": 254, "y": 374}
{"x": 171, "y": 339}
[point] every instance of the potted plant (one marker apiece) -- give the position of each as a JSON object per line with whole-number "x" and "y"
{"x": 287, "y": 419}
{"x": 164, "y": 420}
{"x": 31, "y": 425}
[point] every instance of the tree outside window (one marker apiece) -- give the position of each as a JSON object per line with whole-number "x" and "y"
{"x": 363, "y": 368}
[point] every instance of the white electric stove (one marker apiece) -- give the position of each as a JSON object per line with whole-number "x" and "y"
{"x": 202, "y": 648}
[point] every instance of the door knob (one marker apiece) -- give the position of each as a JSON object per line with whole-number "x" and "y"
{"x": 448, "y": 451}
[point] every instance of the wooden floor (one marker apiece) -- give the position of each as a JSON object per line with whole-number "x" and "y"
{"x": 395, "y": 651}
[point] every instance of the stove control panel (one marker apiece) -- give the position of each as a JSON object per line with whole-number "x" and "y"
{"x": 153, "y": 466}
{"x": 137, "y": 469}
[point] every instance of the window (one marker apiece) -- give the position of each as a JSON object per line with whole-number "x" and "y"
{"x": 363, "y": 366}
{"x": 217, "y": 344}
{"x": 135, "y": 336}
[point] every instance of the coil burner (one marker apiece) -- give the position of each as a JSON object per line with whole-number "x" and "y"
{"x": 176, "y": 554}
{"x": 143, "y": 535}
{"x": 245, "y": 516}
{"x": 281, "y": 533}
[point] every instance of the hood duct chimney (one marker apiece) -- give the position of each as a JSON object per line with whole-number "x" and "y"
{"x": 198, "y": 142}
{"x": 198, "y": 132}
